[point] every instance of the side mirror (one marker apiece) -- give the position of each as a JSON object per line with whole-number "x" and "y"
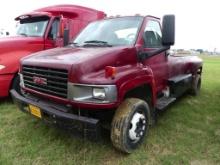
{"x": 168, "y": 30}
{"x": 61, "y": 28}
{"x": 66, "y": 37}
{"x": 64, "y": 31}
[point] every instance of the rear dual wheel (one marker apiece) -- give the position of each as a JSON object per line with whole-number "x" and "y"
{"x": 130, "y": 124}
{"x": 196, "y": 85}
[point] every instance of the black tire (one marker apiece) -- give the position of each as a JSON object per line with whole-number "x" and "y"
{"x": 196, "y": 85}
{"x": 16, "y": 84}
{"x": 124, "y": 135}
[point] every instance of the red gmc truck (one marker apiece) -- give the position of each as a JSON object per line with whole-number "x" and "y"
{"x": 41, "y": 29}
{"x": 116, "y": 74}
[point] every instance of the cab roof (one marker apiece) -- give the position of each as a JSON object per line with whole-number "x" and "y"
{"x": 70, "y": 11}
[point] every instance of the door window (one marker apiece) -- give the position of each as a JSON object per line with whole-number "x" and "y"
{"x": 152, "y": 35}
{"x": 54, "y": 29}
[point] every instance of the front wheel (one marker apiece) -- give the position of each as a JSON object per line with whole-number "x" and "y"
{"x": 16, "y": 84}
{"x": 130, "y": 124}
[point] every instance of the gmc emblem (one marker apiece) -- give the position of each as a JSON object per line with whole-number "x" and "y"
{"x": 39, "y": 80}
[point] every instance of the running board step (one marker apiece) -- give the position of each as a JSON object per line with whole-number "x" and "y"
{"x": 163, "y": 102}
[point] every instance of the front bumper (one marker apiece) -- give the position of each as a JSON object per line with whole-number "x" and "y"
{"x": 51, "y": 113}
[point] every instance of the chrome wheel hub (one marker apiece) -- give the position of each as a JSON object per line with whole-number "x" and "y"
{"x": 137, "y": 127}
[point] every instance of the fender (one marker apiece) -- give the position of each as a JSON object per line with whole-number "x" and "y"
{"x": 193, "y": 64}
{"x": 143, "y": 77}
{"x": 12, "y": 50}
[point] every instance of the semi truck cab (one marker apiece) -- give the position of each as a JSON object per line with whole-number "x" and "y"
{"x": 42, "y": 29}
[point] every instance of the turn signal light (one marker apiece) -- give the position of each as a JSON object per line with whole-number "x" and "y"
{"x": 110, "y": 72}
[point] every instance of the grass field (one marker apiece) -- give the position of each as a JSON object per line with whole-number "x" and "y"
{"x": 187, "y": 133}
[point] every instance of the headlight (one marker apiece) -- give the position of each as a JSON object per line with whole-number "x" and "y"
{"x": 99, "y": 93}
{"x": 92, "y": 93}
{"x": 2, "y": 67}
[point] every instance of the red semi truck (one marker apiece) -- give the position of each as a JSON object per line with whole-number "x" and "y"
{"x": 116, "y": 74}
{"x": 41, "y": 29}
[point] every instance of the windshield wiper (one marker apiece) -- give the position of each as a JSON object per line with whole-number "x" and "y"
{"x": 23, "y": 34}
{"x": 96, "y": 43}
{"x": 73, "y": 43}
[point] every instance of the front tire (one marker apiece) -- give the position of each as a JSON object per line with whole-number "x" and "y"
{"x": 16, "y": 84}
{"x": 130, "y": 124}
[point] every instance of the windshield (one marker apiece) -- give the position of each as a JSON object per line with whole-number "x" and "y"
{"x": 32, "y": 27}
{"x": 117, "y": 31}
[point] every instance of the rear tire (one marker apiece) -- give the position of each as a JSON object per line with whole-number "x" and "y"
{"x": 196, "y": 85}
{"x": 130, "y": 124}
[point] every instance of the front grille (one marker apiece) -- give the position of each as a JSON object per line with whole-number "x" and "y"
{"x": 50, "y": 81}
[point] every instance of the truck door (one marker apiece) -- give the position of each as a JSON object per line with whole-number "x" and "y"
{"x": 152, "y": 37}
{"x": 52, "y": 38}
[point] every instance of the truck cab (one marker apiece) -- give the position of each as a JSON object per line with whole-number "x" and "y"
{"x": 116, "y": 74}
{"x": 39, "y": 30}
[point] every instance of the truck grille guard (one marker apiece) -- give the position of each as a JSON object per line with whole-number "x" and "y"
{"x": 46, "y": 80}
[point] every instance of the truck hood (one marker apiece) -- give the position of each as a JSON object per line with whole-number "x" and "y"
{"x": 8, "y": 44}
{"x": 14, "y": 48}
{"x": 81, "y": 61}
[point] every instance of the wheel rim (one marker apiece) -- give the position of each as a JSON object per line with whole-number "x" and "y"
{"x": 137, "y": 127}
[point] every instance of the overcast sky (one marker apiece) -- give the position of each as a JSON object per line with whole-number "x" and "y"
{"x": 197, "y": 22}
